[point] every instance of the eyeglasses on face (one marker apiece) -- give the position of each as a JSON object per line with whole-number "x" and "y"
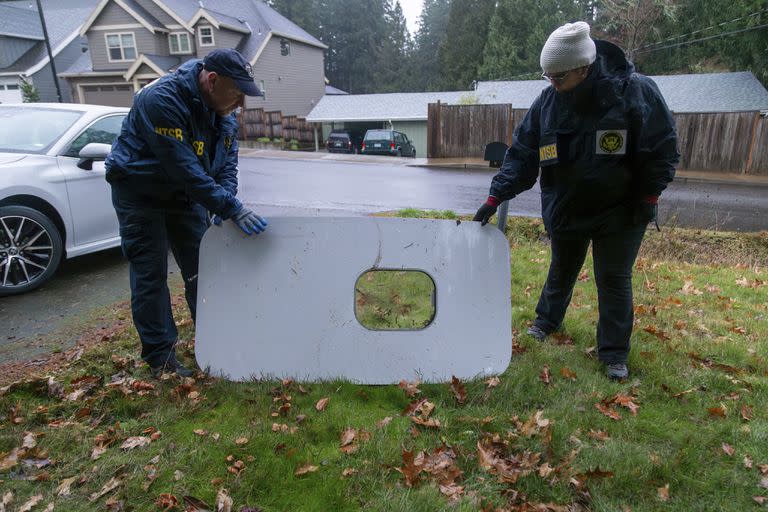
{"x": 559, "y": 77}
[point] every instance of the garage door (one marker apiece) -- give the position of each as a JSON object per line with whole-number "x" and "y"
{"x": 10, "y": 92}
{"x": 118, "y": 95}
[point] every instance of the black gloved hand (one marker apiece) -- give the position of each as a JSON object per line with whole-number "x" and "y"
{"x": 487, "y": 210}
{"x": 646, "y": 210}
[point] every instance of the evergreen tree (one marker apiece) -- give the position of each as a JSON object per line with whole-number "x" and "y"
{"x": 393, "y": 68}
{"x": 432, "y": 33}
{"x": 518, "y": 30}
{"x": 461, "y": 53}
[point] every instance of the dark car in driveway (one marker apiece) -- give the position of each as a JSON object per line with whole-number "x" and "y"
{"x": 344, "y": 141}
{"x": 387, "y": 142}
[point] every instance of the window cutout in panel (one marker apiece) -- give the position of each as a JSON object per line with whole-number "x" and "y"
{"x": 395, "y": 300}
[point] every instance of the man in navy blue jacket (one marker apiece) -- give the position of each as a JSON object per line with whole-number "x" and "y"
{"x": 606, "y": 145}
{"x": 174, "y": 161}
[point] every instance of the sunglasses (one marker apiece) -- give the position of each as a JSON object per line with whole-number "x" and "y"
{"x": 556, "y": 78}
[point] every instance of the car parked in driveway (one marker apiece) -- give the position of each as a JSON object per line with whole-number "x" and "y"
{"x": 54, "y": 201}
{"x": 387, "y": 142}
{"x": 344, "y": 141}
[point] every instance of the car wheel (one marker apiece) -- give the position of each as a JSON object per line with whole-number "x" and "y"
{"x": 30, "y": 249}
{"x": 413, "y": 154}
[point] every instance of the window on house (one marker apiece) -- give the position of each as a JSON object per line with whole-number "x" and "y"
{"x": 285, "y": 47}
{"x": 121, "y": 47}
{"x": 12, "y": 87}
{"x": 206, "y": 36}
{"x": 179, "y": 42}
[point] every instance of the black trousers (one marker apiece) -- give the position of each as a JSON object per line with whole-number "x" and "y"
{"x": 148, "y": 230}
{"x": 614, "y": 256}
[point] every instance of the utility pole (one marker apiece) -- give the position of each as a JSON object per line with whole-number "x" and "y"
{"x": 48, "y": 47}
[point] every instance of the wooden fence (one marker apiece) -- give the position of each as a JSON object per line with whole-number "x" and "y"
{"x": 719, "y": 142}
{"x": 255, "y": 123}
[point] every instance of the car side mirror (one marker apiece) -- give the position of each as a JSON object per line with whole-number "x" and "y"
{"x": 90, "y": 153}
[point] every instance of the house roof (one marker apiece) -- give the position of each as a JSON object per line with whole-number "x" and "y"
{"x": 704, "y": 92}
{"x": 408, "y": 106}
{"x": 63, "y": 19}
{"x": 329, "y": 89}
{"x": 20, "y": 22}
{"x": 707, "y": 92}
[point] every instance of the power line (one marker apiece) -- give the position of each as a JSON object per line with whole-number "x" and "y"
{"x": 722, "y": 23}
{"x": 703, "y": 39}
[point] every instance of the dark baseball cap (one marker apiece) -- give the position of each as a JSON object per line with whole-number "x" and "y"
{"x": 228, "y": 62}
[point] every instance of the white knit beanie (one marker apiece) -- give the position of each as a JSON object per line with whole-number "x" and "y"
{"x": 568, "y": 47}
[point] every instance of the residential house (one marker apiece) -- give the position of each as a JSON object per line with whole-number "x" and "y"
{"x": 407, "y": 112}
{"x": 133, "y": 42}
{"x": 23, "y": 56}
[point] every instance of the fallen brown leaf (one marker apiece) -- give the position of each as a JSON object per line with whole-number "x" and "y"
{"x": 167, "y": 501}
{"x": 192, "y": 504}
{"x": 383, "y": 423}
{"x": 32, "y": 502}
{"x": 322, "y": 404}
{"x": 663, "y": 493}
{"x": 65, "y": 487}
{"x": 611, "y": 413}
{"x": 746, "y": 412}
{"x": 567, "y": 373}
{"x": 135, "y": 442}
{"x": 760, "y": 500}
{"x": 348, "y": 472}
{"x": 241, "y": 441}
{"x": 112, "y": 484}
{"x": 545, "y": 376}
{"x": 493, "y": 382}
{"x": 411, "y": 389}
{"x": 717, "y": 412}
{"x": 728, "y": 449}
{"x": 224, "y": 502}
{"x": 306, "y": 468}
{"x": 459, "y": 391}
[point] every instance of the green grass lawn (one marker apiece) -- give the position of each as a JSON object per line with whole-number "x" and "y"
{"x": 688, "y": 431}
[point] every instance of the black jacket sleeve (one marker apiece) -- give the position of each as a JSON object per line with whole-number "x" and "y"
{"x": 656, "y": 152}
{"x": 520, "y": 168}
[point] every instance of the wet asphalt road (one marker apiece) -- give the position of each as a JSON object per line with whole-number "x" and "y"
{"x": 282, "y": 187}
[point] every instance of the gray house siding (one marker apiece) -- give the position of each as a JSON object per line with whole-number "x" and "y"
{"x": 221, "y": 39}
{"x": 113, "y": 14}
{"x": 11, "y": 48}
{"x": 293, "y": 83}
{"x": 158, "y": 13}
{"x": 146, "y": 42}
{"x": 43, "y": 79}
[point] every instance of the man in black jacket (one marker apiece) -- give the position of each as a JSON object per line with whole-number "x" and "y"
{"x": 606, "y": 145}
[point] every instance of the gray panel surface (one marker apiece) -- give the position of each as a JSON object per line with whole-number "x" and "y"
{"x": 281, "y": 304}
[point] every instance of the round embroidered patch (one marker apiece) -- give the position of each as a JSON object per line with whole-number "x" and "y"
{"x": 611, "y": 142}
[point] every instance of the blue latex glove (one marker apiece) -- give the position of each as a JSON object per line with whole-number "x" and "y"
{"x": 216, "y": 220}
{"x": 248, "y": 221}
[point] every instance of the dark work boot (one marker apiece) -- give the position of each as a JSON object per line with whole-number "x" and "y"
{"x": 173, "y": 366}
{"x": 617, "y": 371}
{"x": 537, "y": 333}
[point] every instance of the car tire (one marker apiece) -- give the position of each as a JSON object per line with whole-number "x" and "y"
{"x": 413, "y": 153}
{"x": 22, "y": 270}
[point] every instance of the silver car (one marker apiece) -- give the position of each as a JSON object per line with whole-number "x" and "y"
{"x": 54, "y": 201}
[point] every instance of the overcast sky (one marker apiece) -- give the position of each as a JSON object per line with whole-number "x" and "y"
{"x": 411, "y": 10}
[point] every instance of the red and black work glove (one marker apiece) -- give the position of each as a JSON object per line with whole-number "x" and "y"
{"x": 487, "y": 210}
{"x": 646, "y": 210}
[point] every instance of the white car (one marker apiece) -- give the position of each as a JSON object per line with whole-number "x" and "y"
{"x": 54, "y": 201}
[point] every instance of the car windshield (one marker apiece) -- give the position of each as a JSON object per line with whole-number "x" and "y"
{"x": 32, "y": 129}
{"x": 378, "y": 135}
{"x": 338, "y": 136}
